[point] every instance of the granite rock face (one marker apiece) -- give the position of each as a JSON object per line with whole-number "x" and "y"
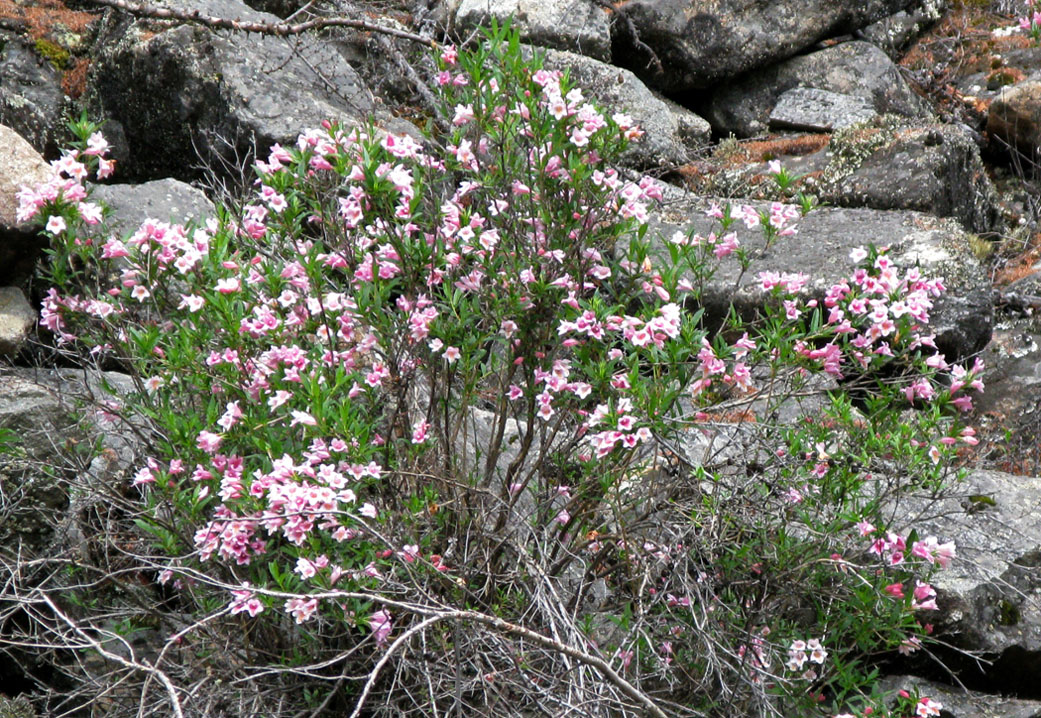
{"x": 577, "y": 26}
{"x": 859, "y": 69}
{"x": 187, "y": 92}
{"x": 702, "y": 43}
{"x": 672, "y": 133}
{"x": 1014, "y": 117}
{"x": 31, "y": 98}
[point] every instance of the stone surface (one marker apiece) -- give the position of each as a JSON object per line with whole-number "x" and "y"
{"x": 577, "y": 26}
{"x": 990, "y": 597}
{"x": 20, "y": 246}
{"x": 701, "y": 43}
{"x": 186, "y": 91}
{"x": 961, "y": 703}
{"x": 672, "y": 133}
{"x": 166, "y": 200}
{"x": 16, "y": 319}
{"x": 961, "y": 318}
{"x": 932, "y": 168}
{"x": 20, "y": 164}
{"x": 31, "y": 98}
{"x": 813, "y": 110}
{"x": 1014, "y": 118}
{"x": 894, "y": 34}
{"x": 854, "y": 68}
{"x": 880, "y": 165}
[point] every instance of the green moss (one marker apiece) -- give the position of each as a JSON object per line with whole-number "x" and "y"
{"x": 53, "y": 53}
{"x": 981, "y": 248}
{"x": 1008, "y": 613}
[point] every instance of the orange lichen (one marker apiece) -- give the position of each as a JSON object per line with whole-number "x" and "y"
{"x": 41, "y": 17}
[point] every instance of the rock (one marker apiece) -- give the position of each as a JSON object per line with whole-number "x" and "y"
{"x": 933, "y": 168}
{"x": 961, "y": 703}
{"x": 166, "y": 200}
{"x": 812, "y": 110}
{"x": 880, "y": 165}
{"x": 703, "y": 43}
{"x": 188, "y": 91}
{"x": 577, "y": 26}
{"x": 16, "y": 319}
{"x": 961, "y": 318}
{"x": 1014, "y": 118}
{"x": 990, "y": 597}
{"x": 20, "y": 246}
{"x": 672, "y": 133}
{"x": 20, "y": 164}
{"x": 31, "y": 99}
{"x": 856, "y": 68}
{"x": 894, "y": 34}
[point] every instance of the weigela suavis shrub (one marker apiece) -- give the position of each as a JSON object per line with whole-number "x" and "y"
{"x": 405, "y": 377}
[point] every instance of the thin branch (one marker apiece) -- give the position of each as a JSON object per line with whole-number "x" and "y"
{"x": 279, "y": 29}
{"x": 171, "y": 690}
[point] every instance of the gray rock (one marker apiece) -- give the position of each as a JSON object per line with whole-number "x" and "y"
{"x": 894, "y": 34}
{"x": 16, "y": 319}
{"x": 166, "y": 200}
{"x": 960, "y": 703}
{"x": 187, "y": 91}
{"x": 579, "y": 26}
{"x": 812, "y": 110}
{"x": 672, "y": 133}
{"x": 990, "y": 597}
{"x": 20, "y": 164}
{"x": 853, "y": 68}
{"x": 880, "y": 165}
{"x": 20, "y": 246}
{"x": 961, "y": 318}
{"x": 705, "y": 42}
{"x": 935, "y": 169}
{"x": 31, "y": 98}
{"x": 1014, "y": 117}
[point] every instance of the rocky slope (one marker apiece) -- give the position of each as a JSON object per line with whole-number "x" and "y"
{"x": 933, "y": 159}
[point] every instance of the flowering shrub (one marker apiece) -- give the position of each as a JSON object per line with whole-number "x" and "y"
{"x": 421, "y": 398}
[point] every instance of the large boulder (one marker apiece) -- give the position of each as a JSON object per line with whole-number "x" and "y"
{"x": 672, "y": 133}
{"x": 860, "y": 69}
{"x": 931, "y": 168}
{"x": 961, "y": 318}
{"x": 16, "y": 319}
{"x": 702, "y": 43}
{"x": 20, "y": 246}
{"x": 884, "y": 164}
{"x": 990, "y": 597}
{"x": 894, "y": 34}
{"x": 577, "y": 26}
{"x": 31, "y": 98}
{"x": 1014, "y": 118}
{"x": 184, "y": 91}
{"x": 166, "y": 200}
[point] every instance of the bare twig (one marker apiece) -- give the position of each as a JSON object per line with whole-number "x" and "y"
{"x": 171, "y": 690}
{"x": 279, "y": 29}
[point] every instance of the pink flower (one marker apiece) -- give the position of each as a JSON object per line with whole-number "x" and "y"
{"x": 301, "y": 609}
{"x": 452, "y": 354}
{"x": 208, "y": 441}
{"x": 55, "y": 225}
{"x": 228, "y": 286}
{"x": 380, "y": 624}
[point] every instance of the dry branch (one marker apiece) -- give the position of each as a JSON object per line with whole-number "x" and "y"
{"x": 279, "y": 29}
